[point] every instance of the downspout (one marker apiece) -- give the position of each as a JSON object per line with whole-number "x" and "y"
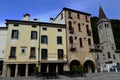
{"x": 39, "y": 55}
{"x": 66, "y": 37}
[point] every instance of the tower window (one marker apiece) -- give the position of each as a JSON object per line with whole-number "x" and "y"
{"x": 69, "y": 14}
{"x": 89, "y": 41}
{"x": 78, "y": 16}
{"x": 79, "y": 28}
{"x": 70, "y": 25}
{"x": 86, "y": 18}
{"x": 109, "y": 56}
{"x": 71, "y": 40}
{"x": 114, "y": 57}
{"x": 80, "y": 42}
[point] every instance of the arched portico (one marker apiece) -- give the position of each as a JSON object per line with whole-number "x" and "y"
{"x": 75, "y": 63}
{"x": 89, "y": 66}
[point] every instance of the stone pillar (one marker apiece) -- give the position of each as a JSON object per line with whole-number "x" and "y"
{"x": 39, "y": 68}
{"x": 47, "y": 68}
{"x": 26, "y": 70}
{"x": 56, "y": 68}
{"x": 95, "y": 70}
{"x": 4, "y": 71}
{"x": 66, "y": 67}
{"x": 116, "y": 70}
{"x": 101, "y": 69}
{"x": 16, "y": 70}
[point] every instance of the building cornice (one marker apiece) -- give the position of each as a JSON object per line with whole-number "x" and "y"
{"x": 35, "y": 23}
{"x": 68, "y": 9}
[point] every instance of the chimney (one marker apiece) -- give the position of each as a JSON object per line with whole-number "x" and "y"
{"x": 51, "y": 20}
{"x": 35, "y": 20}
{"x": 26, "y": 17}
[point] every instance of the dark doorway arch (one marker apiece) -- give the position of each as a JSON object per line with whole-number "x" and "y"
{"x": 75, "y": 63}
{"x": 89, "y": 66}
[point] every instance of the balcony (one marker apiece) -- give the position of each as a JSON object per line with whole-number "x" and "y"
{"x": 32, "y": 57}
{"x": 60, "y": 56}
{"x": 72, "y": 47}
{"x": 95, "y": 49}
{"x": 12, "y": 57}
{"x": 44, "y": 57}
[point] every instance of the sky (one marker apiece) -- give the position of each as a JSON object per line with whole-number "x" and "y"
{"x": 44, "y": 9}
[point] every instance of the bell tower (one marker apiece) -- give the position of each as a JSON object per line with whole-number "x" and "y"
{"x": 105, "y": 30}
{"x": 107, "y": 43}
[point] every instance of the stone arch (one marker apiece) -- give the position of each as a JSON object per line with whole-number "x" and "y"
{"x": 75, "y": 63}
{"x": 89, "y": 66}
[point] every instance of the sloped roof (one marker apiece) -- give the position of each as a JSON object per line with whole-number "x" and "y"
{"x": 102, "y": 14}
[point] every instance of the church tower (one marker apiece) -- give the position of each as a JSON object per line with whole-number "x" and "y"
{"x": 107, "y": 43}
{"x": 105, "y": 30}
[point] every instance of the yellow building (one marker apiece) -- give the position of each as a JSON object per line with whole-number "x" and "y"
{"x": 53, "y": 47}
{"x": 79, "y": 38}
{"x": 33, "y": 43}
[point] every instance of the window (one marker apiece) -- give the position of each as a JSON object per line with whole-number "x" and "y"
{"x": 44, "y": 28}
{"x": 23, "y": 50}
{"x": 60, "y": 53}
{"x": 32, "y": 52}
{"x": 78, "y": 16}
{"x": 88, "y": 31}
{"x": 12, "y": 52}
{"x": 114, "y": 57}
{"x": 59, "y": 30}
{"x": 44, "y": 53}
{"x": 15, "y": 34}
{"x": 69, "y": 14}
{"x": 2, "y": 51}
{"x": 61, "y": 15}
{"x": 59, "y": 40}
{"x": 70, "y": 25}
{"x": 87, "y": 28}
{"x": 75, "y": 37}
{"x": 16, "y": 25}
{"x": 109, "y": 56}
{"x": 79, "y": 28}
{"x": 80, "y": 42}
{"x": 97, "y": 56}
{"x": 105, "y": 25}
{"x": 33, "y": 34}
{"x": 34, "y": 26}
{"x": 86, "y": 18}
{"x": 89, "y": 41}
{"x": 44, "y": 39}
{"x": 71, "y": 40}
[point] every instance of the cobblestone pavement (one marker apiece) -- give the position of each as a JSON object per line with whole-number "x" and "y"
{"x": 90, "y": 76}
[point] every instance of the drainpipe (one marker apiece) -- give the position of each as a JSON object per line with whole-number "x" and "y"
{"x": 39, "y": 58}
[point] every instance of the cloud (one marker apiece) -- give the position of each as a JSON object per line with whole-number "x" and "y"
{"x": 2, "y": 25}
